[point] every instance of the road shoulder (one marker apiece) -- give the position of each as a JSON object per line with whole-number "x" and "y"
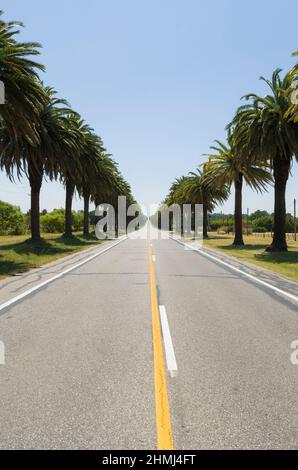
{"x": 263, "y": 274}
{"x": 15, "y": 285}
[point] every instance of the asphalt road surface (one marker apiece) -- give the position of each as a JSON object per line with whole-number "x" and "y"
{"x": 90, "y": 364}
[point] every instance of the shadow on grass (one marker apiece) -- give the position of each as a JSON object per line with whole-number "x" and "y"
{"x": 21, "y": 256}
{"x": 75, "y": 241}
{"x": 244, "y": 247}
{"x": 42, "y": 247}
{"x": 8, "y": 268}
{"x": 290, "y": 257}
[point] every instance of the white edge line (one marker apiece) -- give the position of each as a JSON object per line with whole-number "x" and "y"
{"x": 169, "y": 349}
{"x": 230, "y": 266}
{"x": 48, "y": 281}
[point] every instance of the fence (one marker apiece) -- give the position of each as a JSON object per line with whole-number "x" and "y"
{"x": 289, "y": 236}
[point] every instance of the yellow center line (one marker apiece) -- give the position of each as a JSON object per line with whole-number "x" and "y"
{"x": 163, "y": 417}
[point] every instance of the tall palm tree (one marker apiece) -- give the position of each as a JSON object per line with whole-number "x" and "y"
{"x": 56, "y": 147}
{"x": 19, "y": 73}
{"x": 177, "y": 196}
{"x": 226, "y": 167}
{"x": 194, "y": 189}
{"x": 200, "y": 191}
{"x": 110, "y": 185}
{"x": 292, "y": 112}
{"x": 107, "y": 189}
{"x": 71, "y": 174}
{"x": 24, "y": 98}
{"x": 93, "y": 172}
{"x": 121, "y": 188}
{"x": 265, "y": 132}
{"x": 91, "y": 177}
{"x": 177, "y": 192}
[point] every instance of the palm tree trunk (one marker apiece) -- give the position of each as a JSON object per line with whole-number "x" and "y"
{"x": 238, "y": 240}
{"x": 68, "y": 205}
{"x": 35, "y": 179}
{"x": 86, "y": 196}
{"x": 281, "y": 169}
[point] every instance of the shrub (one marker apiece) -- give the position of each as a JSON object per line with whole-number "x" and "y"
{"x": 261, "y": 230}
{"x": 259, "y": 214}
{"x": 215, "y": 225}
{"x": 265, "y": 221}
{"x": 77, "y": 220}
{"x": 53, "y": 222}
{"x": 12, "y": 220}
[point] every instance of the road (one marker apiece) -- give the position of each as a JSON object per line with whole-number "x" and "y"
{"x": 82, "y": 367}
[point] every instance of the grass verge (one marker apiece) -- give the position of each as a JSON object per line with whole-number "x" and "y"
{"x": 253, "y": 252}
{"x": 18, "y": 254}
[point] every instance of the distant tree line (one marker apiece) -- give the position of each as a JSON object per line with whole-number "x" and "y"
{"x": 14, "y": 222}
{"x": 257, "y": 222}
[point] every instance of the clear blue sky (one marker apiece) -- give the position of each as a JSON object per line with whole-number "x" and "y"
{"x": 157, "y": 79}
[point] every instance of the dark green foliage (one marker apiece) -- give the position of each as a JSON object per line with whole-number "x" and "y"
{"x": 12, "y": 220}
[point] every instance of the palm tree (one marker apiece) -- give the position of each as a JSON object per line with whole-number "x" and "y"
{"x": 55, "y": 149}
{"x": 105, "y": 189}
{"x": 292, "y": 112}
{"x": 23, "y": 91}
{"x": 265, "y": 132}
{"x": 121, "y": 188}
{"x": 24, "y": 98}
{"x": 177, "y": 196}
{"x": 177, "y": 193}
{"x": 227, "y": 168}
{"x": 90, "y": 178}
{"x": 71, "y": 174}
{"x": 110, "y": 185}
{"x": 200, "y": 191}
{"x": 194, "y": 189}
{"x": 92, "y": 172}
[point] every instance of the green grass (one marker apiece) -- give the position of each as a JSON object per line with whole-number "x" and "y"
{"x": 18, "y": 254}
{"x": 253, "y": 252}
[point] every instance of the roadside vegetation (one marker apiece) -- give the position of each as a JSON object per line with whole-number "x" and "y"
{"x": 14, "y": 222}
{"x": 256, "y": 222}
{"x": 41, "y": 136}
{"x": 261, "y": 144}
{"x": 284, "y": 263}
{"x": 18, "y": 254}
